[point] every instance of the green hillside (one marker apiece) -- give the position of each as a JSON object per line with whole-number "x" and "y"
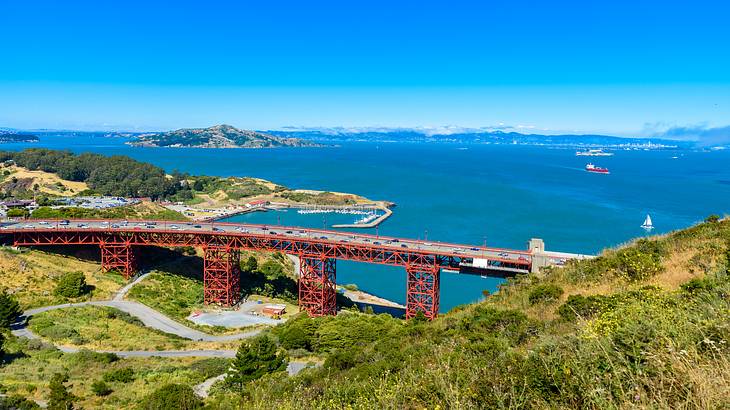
{"x": 647, "y": 326}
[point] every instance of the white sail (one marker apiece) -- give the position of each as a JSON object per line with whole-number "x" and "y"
{"x": 647, "y": 223}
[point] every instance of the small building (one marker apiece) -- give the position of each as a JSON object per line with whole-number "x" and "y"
{"x": 257, "y": 204}
{"x": 274, "y": 309}
{"x": 19, "y": 203}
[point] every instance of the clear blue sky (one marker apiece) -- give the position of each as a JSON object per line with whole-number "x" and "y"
{"x": 618, "y": 67}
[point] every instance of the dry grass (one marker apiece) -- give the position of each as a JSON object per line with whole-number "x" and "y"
{"x": 47, "y": 182}
{"x": 32, "y": 275}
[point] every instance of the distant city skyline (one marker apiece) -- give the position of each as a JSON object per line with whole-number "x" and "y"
{"x": 622, "y": 68}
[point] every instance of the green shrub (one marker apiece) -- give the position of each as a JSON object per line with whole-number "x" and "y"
{"x": 579, "y": 306}
{"x": 172, "y": 397}
{"x": 58, "y": 332}
{"x": 123, "y": 375}
{"x": 100, "y": 388}
{"x": 9, "y": 309}
{"x": 488, "y": 321}
{"x": 89, "y": 356}
{"x": 18, "y": 213}
{"x": 71, "y": 285}
{"x": 712, "y": 219}
{"x": 544, "y": 293}
{"x": 15, "y": 402}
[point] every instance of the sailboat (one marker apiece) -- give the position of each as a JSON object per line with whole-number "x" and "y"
{"x": 647, "y": 223}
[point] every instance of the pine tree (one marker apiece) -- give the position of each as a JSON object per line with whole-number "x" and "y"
{"x": 59, "y": 397}
{"x": 254, "y": 359}
{"x": 9, "y": 310}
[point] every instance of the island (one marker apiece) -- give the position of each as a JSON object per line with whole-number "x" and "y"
{"x": 219, "y": 136}
{"x": 17, "y": 137}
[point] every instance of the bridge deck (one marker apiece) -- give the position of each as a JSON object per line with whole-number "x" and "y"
{"x": 292, "y": 240}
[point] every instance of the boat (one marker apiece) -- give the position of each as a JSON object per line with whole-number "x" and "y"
{"x": 593, "y": 153}
{"x": 596, "y": 169}
{"x": 647, "y": 223}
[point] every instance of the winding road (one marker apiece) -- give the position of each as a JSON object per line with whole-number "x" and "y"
{"x": 149, "y": 317}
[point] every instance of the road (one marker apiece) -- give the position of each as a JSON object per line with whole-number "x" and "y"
{"x": 293, "y": 233}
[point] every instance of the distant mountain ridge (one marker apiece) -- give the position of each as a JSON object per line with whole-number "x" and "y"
{"x": 8, "y": 135}
{"x": 219, "y": 136}
{"x": 334, "y": 135}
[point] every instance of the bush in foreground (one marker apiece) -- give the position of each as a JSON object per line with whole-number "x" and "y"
{"x": 172, "y": 397}
{"x": 545, "y": 293}
{"x": 71, "y": 285}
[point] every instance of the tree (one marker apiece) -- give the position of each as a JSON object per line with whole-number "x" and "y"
{"x": 59, "y": 398}
{"x": 71, "y": 285}
{"x": 9, "y": 309}
{"x": 712, "y": 218}
{"x": 172, "y": 397}
{"x": 2, "y": 350}
{"x": 18, "y": 213}
{"x": 251, "y": 264}
{"x": 254, "y": 359}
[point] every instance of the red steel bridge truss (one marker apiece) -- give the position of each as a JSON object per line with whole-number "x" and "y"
{"x": 317, "y": 273}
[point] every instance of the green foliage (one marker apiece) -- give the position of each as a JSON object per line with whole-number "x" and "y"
{"x": 9, "y": 309}
{"x": 85, "y": 356}
{"x": 119, "y": 212}
{"x": 72, "y": 285}
{"x": 116, "y": 175}
{"x": 254, "y": 359}
{"x": 100, "y": 388}
{"x": 172, "y": 397}
{"x": 2, "y": 346}
{"x": 545, "y": 293}
{"x": 123, "y": 375}
{"x": 268, "y": 279}
{"x": 59, "y": 397}
{"x": 579, "y": 306}
{"x": 18, "y": 213}
{"x": 511, "y": 324}
{"x": 15, "y": 402}
{"x": 712, "y": 219}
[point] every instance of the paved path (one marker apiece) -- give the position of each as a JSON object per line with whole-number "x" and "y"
{"x": 149, "y": 317}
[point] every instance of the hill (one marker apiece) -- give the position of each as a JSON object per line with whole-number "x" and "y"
{"x": 219, "y": 136}
{"x": 17, "y": 137}
{"x": 643, "y": 326}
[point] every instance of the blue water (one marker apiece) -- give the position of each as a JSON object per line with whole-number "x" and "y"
{"x": 501, "y": 194}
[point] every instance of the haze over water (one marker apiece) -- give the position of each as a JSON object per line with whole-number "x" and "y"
{"x": 466, "y": 193}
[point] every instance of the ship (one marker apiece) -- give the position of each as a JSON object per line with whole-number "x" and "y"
{"x": 593, "y": 153}
{"x": 596, "y": 169}
{"x": 647, "y": 223}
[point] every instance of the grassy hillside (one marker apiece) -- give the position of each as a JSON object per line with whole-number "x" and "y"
{"x": 32, "y": 275}
{"x": 647, "y": 326}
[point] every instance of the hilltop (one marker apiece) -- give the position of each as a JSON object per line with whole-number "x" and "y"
{"x": 219, "y": 136}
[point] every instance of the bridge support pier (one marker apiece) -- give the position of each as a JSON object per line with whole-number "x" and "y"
{"x": 317, "y": 285}
{"x": 422, "y": 290}
{"x": 221, "y": 275}
{"x": 119, "y": 256}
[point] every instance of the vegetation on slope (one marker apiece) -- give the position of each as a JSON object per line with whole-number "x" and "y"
{"x": 140, "y": 211}
{"x": 116, "y": 175}
{"x": 646, "y": 325}
{"x": 33, "y": 275}
{"x": 219, "y": 136}
{"x": 32, "y": 363}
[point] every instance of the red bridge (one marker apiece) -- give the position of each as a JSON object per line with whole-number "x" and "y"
{"x": 317, "y": 250}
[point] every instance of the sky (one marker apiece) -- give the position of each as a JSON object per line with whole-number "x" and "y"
{"x": 617, "y": 67}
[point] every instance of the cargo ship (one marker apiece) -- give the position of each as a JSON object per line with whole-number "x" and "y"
{"x": 596, "y": 169}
